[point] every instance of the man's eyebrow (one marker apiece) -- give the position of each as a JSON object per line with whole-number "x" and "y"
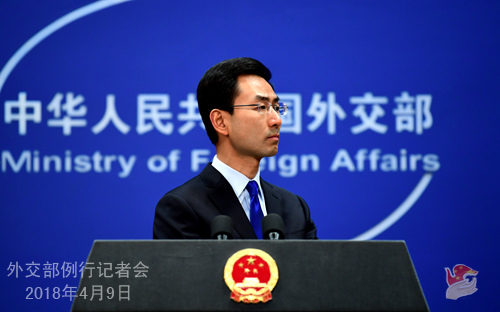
{"x": 265, "y": 98}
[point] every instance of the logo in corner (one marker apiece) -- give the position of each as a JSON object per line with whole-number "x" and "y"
{"x": 461, "y": 282}
{"x": 251, "y": 275}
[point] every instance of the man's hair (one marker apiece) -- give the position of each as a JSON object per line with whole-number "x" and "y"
{"x": 219, "y": 87}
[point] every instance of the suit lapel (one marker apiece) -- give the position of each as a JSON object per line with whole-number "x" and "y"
{"x": 273, "y": 199}
{"x": 222, "y": 196}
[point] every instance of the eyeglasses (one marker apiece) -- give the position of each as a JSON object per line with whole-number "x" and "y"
{"x": 265, "y": 107}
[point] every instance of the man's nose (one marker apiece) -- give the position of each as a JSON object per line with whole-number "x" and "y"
{"x": 274, "y": 118}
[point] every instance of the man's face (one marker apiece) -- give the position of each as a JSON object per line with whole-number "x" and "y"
{"x": 251, "y": 133}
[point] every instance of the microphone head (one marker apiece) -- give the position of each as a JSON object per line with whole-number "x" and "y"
{"x": 273, "y": 224}
{"x": 222, "y": 225}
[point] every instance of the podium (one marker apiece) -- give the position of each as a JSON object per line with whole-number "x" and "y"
{"x": 188, "y": 275}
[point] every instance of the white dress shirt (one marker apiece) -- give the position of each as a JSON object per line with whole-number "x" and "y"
{"x": 238, "y": 182}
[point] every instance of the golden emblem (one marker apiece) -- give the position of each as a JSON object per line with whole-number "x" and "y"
{"x": 251, "y": 274}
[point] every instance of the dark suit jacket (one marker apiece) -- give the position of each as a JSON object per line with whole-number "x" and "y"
{"x": 187, "y": 211}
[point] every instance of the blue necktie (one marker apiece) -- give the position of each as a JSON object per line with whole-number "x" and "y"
{"x": 256, "y": 214}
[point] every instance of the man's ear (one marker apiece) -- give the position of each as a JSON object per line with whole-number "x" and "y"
{"x": 217, "y": 117}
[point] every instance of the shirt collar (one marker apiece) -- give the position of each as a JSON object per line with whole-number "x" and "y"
{"x": 236, "y": 179}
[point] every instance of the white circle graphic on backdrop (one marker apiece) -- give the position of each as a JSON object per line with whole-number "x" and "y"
{"x": 49, "y": 30}
{"x": 400, "y": 211}
{"x": 383, "y": 225}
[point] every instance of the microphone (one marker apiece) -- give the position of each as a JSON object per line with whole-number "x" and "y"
{"x": 273, "y": 227}
{"x": 222, "y": 228}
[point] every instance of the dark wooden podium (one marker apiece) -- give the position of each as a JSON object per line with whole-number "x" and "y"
{"x": 187, "y": 275}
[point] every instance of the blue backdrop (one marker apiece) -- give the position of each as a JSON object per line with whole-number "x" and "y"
{"x": 392, "y": 132}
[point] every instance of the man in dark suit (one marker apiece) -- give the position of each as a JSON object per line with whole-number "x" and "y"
{"x": 242, "y": 116}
